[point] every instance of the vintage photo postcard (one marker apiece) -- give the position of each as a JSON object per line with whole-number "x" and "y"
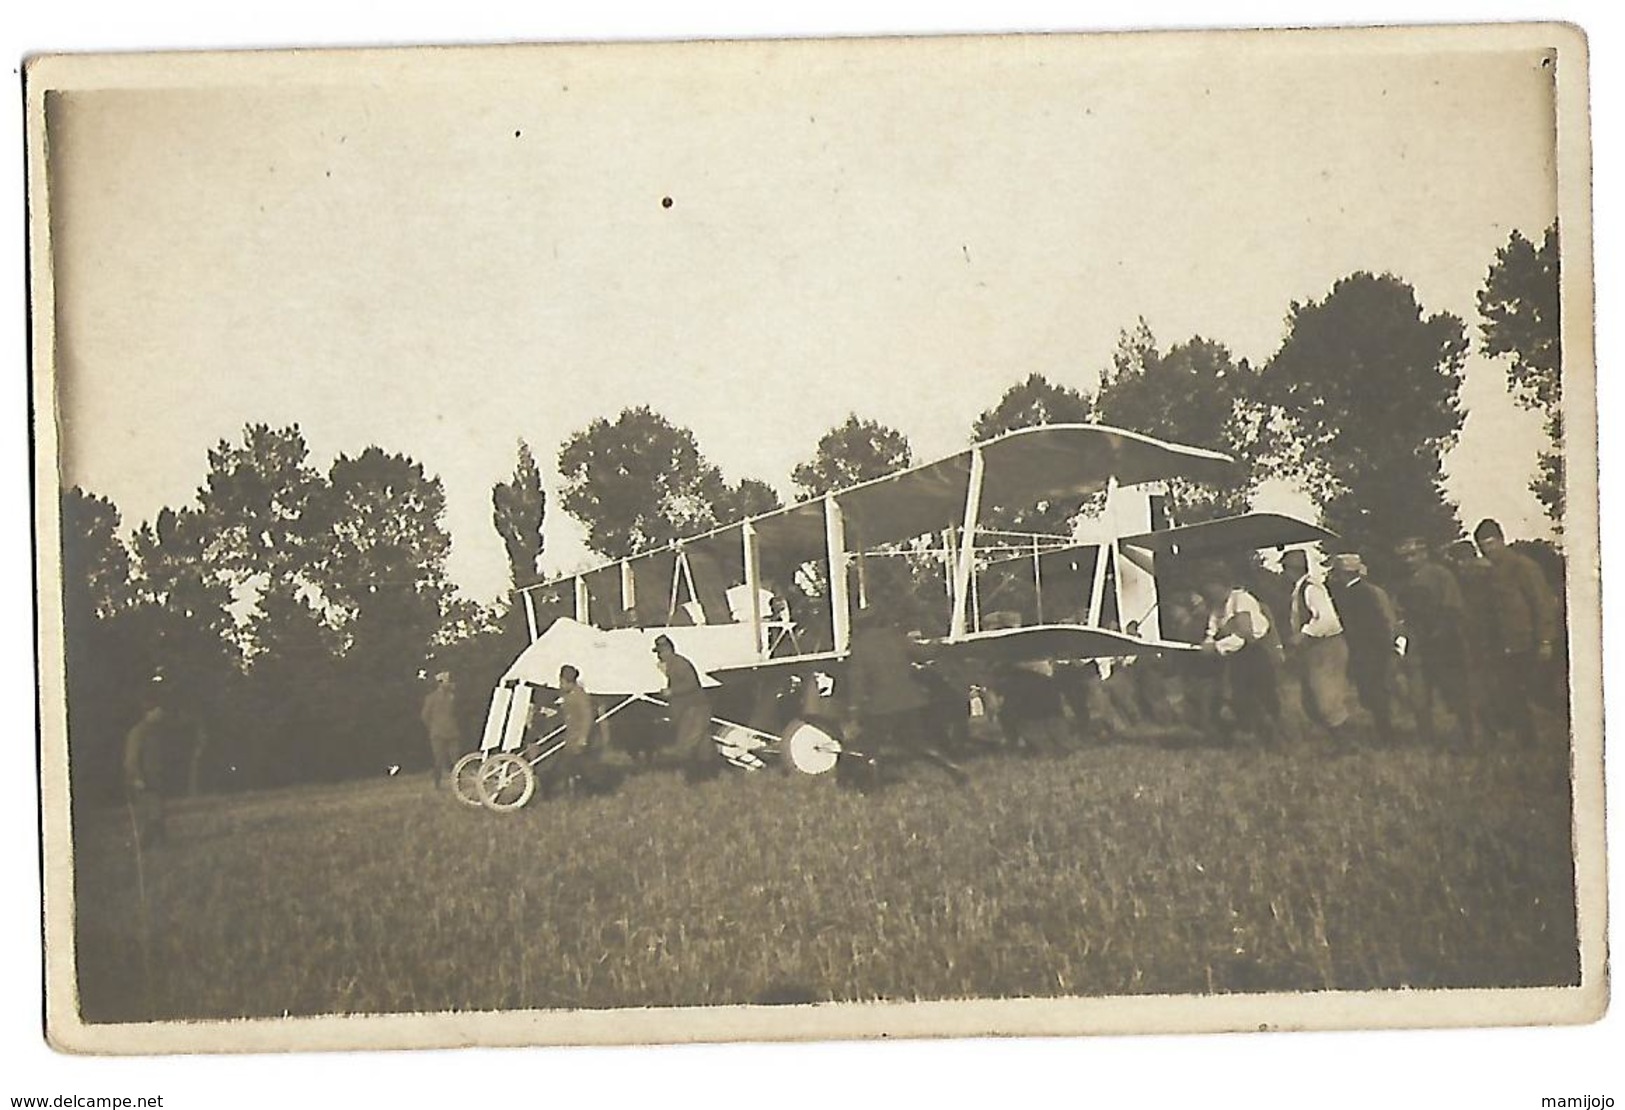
{"x": 774, "y": 540}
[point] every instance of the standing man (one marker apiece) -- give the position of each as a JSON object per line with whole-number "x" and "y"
{"x": 575, "y": 706}
{"x": 143, "y": 775}
{"x": 1369, "y": 628}
{"x": 1476, "y": 579}
{"x": 690, "y": 710}
{"x": 1239, "y": 632}
{"x": 885, "y": 702}
{"x": 1525, "y": 629}
{"x": 1436, "y": 650}
{"x": 440, "y": 720}
{"x": 1319, "y": 650}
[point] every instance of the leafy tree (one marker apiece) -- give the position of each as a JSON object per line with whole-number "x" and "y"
{"x": 1033, "y": 401}
{"x": 1522, "y": 320}
{"x": 261, "y": 508}
{"x": 1029, "y": 403}
{"x": 1365, "y": 401}
{"x": 751, "y": 497}
{"x": 182, "y": 608}
{"x": 103, "y": 681}
{"x": 387, "y": 540}
{"x": 1194, "y": 394}
{"x": 638, "y": 483}
{"x": 518, "y": 507}
{"x": 849, "y": 453}
{"x": 384, "y": 579}
{"x": 477, "y": 643}
{"x": 180, "y": 631}
{"x": 293, "y": 611}
{"x": 291, "y": 724}
{"x": 95, "y": 562}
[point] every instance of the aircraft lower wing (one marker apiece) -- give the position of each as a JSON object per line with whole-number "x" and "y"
{"x": 1056, "y": 642}
{"x": 780, "y": 663}
{"x": 1050, "y": 641}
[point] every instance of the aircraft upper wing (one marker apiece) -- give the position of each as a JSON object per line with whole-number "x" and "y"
{"x": 1248, "y": 532}
{"x": 1021, "y": 467}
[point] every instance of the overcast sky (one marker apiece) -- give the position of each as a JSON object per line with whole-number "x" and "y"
{"x": 473, "y": 248}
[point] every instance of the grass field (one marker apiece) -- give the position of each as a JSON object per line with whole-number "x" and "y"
{"x": 1112, "y": 870}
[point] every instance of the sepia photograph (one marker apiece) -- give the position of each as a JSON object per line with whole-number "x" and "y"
{"x": 803, "y": 539}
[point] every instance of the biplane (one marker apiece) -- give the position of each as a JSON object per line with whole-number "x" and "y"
{"x": 758, "y": 600}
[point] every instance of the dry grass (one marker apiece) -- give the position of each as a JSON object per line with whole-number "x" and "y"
{"x": 1112, "y": 870}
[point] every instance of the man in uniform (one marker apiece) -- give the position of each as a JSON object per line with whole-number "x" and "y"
{"x": 143, "y": 774}
{"x": 575, "y": 706}
{"x": 885, "y": 701}
{"x": 690, "y": 709}
{"x": 1525, "y": 629}
{"x": 1369, "y": 628}
{"x": 1476, "y": 580}
{"x": 440, "y": 720}
{"x": 1436, "y": 652}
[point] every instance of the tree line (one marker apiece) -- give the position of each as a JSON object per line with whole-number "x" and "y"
{"x": 292, "y": 615}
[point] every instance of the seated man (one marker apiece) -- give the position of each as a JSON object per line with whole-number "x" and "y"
{"x": 739, "y": 603}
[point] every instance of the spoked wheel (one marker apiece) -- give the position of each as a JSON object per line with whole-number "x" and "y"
{"x": 465, "y": 779}
{"x": 506, "y": 782}
{"x": 812, "y": 750}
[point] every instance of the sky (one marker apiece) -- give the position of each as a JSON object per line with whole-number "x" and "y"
{"x": 474, "y": 246}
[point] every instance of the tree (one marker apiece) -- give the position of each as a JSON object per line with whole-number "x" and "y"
{"x": 291, "y": 720}
{"x": 387, "y": 540}
{"x": 385, "y": 585}
{"x": 95, "y": 562}
{"x": 258, "y": 499}
{"x": 518, "y": 508}
{"x": 477, "y": 643}
{"x": 180, "y": 630}
{"x": 1195, "y": 394}
{"x": 1365, "y": 401}
{"x": 1029, "y": 403}
{"x": 849, "y": 453}
{"x": 181, "y": 605}
{"x": 639, "y": 483}
{"x": 103, "y": 679}
{"x": 1521, "y": 308}
{"x": 261, "y": 518}
{"x": 751, "y": 497}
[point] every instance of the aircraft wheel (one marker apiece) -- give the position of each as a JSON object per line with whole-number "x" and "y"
{"x": 506, "y": 782}
{"x": 811, "y": 749}
{"x": 465, "y": 779}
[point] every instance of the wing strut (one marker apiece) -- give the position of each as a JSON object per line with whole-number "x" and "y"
{"x": 967, "y": 549}
{"x": 840, "y": 612}
{"x": 753, "y": 585}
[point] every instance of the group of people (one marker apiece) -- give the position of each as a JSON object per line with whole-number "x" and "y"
{"x": 575, "y": 708}
{"x": 885, "y": 708}
{"x": 885, "y": 704}
{"x": 1475, "y": 634}
{"x": 1473, "y": 628}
